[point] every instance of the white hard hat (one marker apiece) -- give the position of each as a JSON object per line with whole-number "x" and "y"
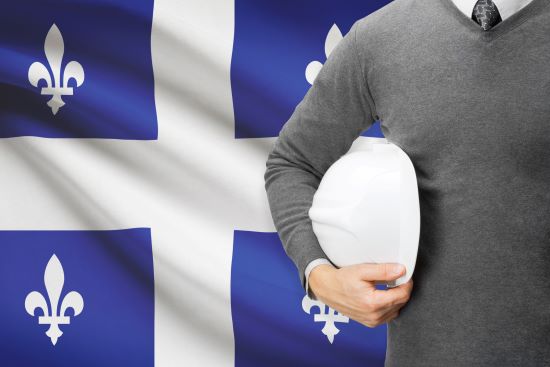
{"x": 366, "y": 209}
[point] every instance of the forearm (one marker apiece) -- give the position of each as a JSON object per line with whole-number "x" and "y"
{"x": 290, "y": 193}
{"x": 322, "y": 128}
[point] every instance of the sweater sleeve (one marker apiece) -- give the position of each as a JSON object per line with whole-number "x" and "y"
{"x": 332, "y": 114}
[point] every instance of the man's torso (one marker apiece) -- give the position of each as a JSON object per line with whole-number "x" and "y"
{"x": 471, "y": 108}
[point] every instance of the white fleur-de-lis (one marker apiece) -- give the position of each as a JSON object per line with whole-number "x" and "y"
{"x": 333, "y": 37}
{"x": 54, "y": 279}
{"x": 58, "y": 85}
{"x": 329, "y": 318}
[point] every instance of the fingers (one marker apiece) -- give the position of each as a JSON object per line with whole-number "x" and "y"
{"x": 380, "y": 317}
{"x": 391, "y": 316}
{"x": 393, "y": 296}
{"x": 383, "y": 271}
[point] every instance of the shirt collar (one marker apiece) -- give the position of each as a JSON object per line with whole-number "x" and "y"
{"x": 505, "y": 7}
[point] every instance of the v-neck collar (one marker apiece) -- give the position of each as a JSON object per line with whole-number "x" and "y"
{"x": 500, "y": 28}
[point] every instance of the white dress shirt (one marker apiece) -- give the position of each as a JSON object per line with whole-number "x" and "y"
{"x": 505, "y": 8}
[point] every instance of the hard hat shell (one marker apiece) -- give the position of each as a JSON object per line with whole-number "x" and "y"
{"x": 366, "y": 209}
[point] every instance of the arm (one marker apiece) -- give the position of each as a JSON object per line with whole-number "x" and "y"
{"x": 322, "y": 128}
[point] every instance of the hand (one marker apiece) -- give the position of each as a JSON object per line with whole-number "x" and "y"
{"x": 351, "y": 291}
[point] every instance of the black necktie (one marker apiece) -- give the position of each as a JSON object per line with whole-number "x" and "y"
{"x": 486, "y": 14}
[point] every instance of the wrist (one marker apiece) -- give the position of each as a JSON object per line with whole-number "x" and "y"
{"x": 317, "y": 276}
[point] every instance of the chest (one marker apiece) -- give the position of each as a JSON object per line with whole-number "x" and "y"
{"x": 457, "y": 106}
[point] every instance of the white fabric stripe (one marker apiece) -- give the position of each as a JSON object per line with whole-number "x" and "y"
{"x": 219, "y": 182}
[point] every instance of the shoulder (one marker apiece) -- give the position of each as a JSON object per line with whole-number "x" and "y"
{"x": 391, "y": 14}
{"x": 389, "y": 23}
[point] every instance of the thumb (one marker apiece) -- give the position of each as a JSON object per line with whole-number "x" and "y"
{"x": 383, "y": 271}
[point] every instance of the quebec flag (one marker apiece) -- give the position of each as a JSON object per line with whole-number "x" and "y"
{"x": 134, "y": 225}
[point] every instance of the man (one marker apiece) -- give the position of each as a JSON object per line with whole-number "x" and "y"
{"x": 463, "y": 87}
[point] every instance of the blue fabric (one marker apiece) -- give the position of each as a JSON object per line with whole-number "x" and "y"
{"x": 273, "y": 44}
{"x": 111, "y": 270}
{"x": 270, "y": 326}
{"x": 110, "y": 39}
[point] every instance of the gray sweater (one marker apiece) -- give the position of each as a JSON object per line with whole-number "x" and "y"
{"x": 471, "y": 108}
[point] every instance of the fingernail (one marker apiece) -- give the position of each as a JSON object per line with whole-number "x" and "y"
{"x": 397, "y": 269}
